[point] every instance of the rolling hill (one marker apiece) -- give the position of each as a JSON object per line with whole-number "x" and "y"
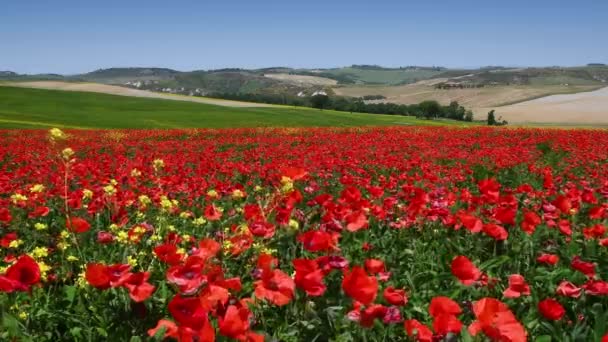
{"x": 477, "y": 89}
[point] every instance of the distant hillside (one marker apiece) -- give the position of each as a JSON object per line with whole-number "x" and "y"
{"x": 364, "y": 79}
{"x": 123, "y": 75}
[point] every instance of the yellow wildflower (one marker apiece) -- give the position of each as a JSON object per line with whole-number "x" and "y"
{"x": 16, "y": 198}
{"x": 109, "y": 189}
{"x": 132, "y": 261}
{"x": 87, "y": 194}
{"x": 15, "y": 243}
{"x": 37, "y": 188}
{"x": 158, "y": 164}
{"x": 40, "y": 226}
{"x": 40, "y": 252}
{"x": 67, "y": 153}
{"x": 56, "y": 134}
{"x": 237, "y": 194}
{"x": 199, "y": 221}
{"x": 293, "y": 224}
{"x": 135, "y": 173}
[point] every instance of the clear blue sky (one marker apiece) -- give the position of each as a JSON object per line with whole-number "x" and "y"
{"x": 73, "y": 36}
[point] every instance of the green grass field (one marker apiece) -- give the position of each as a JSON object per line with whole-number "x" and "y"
{"x": 37, "y": 108}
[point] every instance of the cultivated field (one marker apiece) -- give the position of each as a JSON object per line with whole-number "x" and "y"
{"x": 37, "y": 108}
{"x": 481, "y": 100}
{"x": 582, "y": 108}
{"x": 123, "y": 91}
{"x": 303, "y": 79}
{"x": 357, "y": 234}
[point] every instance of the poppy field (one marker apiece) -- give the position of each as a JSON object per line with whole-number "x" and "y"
{"x": 316, "y": 234}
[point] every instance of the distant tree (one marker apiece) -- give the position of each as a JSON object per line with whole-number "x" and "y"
{"x": 491, "y": 118}
{"x": 468, "y": 116}
{"x": 319, "y": 101}
{"x": 430, "y": 109}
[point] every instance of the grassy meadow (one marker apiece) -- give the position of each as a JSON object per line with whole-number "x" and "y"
{"x": 39, "y": 108}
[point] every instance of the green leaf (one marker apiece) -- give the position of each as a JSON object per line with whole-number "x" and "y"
{"x": 70, "y": 293}
{"x": 543, "y": 338}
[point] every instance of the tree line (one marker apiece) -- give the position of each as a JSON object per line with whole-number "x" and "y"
{"x": 426, "y": 109}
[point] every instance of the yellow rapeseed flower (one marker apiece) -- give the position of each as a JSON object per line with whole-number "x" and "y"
{"x": 37, "y": 188}
{"x": 199, "y": 221}
{"x": 15, "y": 243}
{"x": 40, "y": 252}
{"x": 132, "y": 261}
{"x": 87, "y": 194}
{"x": 109, "y": 189}
{"x": 67, "y": 153}
{"x": 143, "y": 199}
{"x": 293, "y": 224}
{"x": 158, "y": 164}
{"x": 237, "y": 194}
{"x": 56, "y": 134}
{"x": 16, "y": 198}
{"x": 40, "y": 226}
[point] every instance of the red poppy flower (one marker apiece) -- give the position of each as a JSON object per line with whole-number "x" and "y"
{"x": 596, "y": 287}
{"x": 235, "y": 323}
{"x": 395, "y": 296}
{"x": 213, "y": 297}
{"x": 419, "y": 331}
{"x": 495, "y": 231}
{"x": 102, "y": 276}
{"x": 496, "y": 321}
{"x": 41, "y": 211}
{"x": 188, "y": 277}
{"x": 275, "y": 287}
{"x": 356, "y": 221}
{"x": 78, "y": 225}
{"x": 550, "y": 259}
{"x": 294, "y": 173}
{"x": 506, "y": 214}
{"x": 167, "y": 253}
{"x": 564, "y": 227}
{"x": 104, "y": 237}
{"x": 6, "y": 240}
{"x": 5, "y": 215}
{"x": 595, "y": 232}
{"x": 267, "y": 262}
{"x": 587, "y": 268}
{"x": 359, "y": 286}
{"x": 567, "y": 289}
{"x": 551, "y": 309}
{"x": 171, "y": 329}
{"x": 262, "y": 229}
{"x": 319, "y": 241}
{"x": 444, "y": 306}
{"x": 530, "y": 222}
{"x": 517, "y": 287}
{"x": 374, "y": 266}
{"x": 138, "y": 286}
{"x": 212, "y": 213}
{"x": 309, "y": 277}
{"x": 187, "y": 311}
{"x": 445, "y": 323}
{"x": 465, "y": 270}
{"x": 207, "y": 248}
{"x": 21, "y": 275}
{"x": 470, "y": 222}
